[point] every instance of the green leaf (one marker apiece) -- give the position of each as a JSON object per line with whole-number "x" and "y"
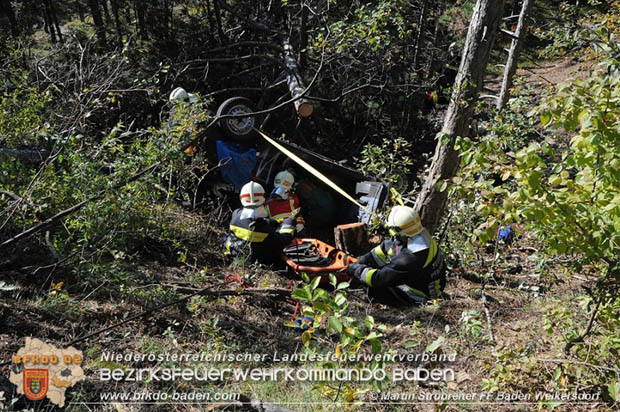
{"x": 335, "y": 323}
{"x": 315, "y": 282}
{"x": 332, "y": 280}
{"x": 305, "y": 338}
{"x": 323, "y": 307}
{"x": 373, "y": 335}
{"x": 613, "y": 389}
{"x": 376, "y": 345}
{"x": 435, "y": 345}
{"x": 370, "y": 322}
{"x": 301, "y": 294}
{"x": 340, "y": 299}
{"x": 545, "y": 118}
{"x": 320, "y": 294}
{"x": 343, "y": 285}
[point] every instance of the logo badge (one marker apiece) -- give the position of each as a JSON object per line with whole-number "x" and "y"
{"x": 36, "y": 383}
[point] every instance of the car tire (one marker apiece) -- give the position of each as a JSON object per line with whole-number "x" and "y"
{"x": 238, "y": 129}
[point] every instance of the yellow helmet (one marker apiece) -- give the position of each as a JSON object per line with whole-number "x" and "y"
{"x": 252, "y": 195}
{"x": 405, "y": 220}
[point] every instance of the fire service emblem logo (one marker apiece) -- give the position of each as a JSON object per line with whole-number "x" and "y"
{"x": 36, "y": 383}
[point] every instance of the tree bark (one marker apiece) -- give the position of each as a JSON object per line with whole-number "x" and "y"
{"x": 351, "y": 238}
{"x": 54, "y": 19}
{"x": 7, "y": 8}
{"x": 117, "y": 22}
{"x": 481, "y": 35}
{"x": 99, "y": 26}
{"x": 419, "y": 42}
{"x": 303, "y": 35}
{"x": 513, "y": 56}
{"x": 303, "y": 107}
{"x": 218, "y": 19}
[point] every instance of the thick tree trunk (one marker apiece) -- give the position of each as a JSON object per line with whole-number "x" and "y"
{"x": 513, "y": 55}
{"x": 99, "y": 26}
{"x": 303, "y": 106}
{"x": 482, "y": 32}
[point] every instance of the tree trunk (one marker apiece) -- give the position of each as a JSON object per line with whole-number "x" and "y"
{"x": 303, "y": 35}
{"x": 80, "y": 9}
{"x": 54, "y": 19}
{"x": 513, "y": 56}
{"x": 99, "y": 26}
{"x": 419, "y": 41}
{"x": 7, "y": 8}
{"x": 117, "y": 22}
{"x": 218, "y": 19}
{"x": 481, "y": 35}
{"x": 303, "y": 106}
{"x": 106, "y": 12}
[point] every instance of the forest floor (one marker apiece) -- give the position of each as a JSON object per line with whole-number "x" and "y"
{"x": 518, "y": 285}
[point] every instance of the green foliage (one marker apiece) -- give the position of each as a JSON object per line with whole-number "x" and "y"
{"x": 567, "y": 193}
{"x": 560, "y": 177}
{"x": 391, "y": 161}
{"x": 22, "y": 120}
{"x": 329, "y": 313}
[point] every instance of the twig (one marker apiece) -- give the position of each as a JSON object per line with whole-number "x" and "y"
{"x": 616, "y": 370}
{"x": 50, "y": 246}
{"x": 488, "y": 315}
{"x": 10, "y": 194}
{"x": 580, "y": 339}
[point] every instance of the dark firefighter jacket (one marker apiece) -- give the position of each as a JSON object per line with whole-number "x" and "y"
{"x": 259, "y": 239}
{"x": 411, "y": 271}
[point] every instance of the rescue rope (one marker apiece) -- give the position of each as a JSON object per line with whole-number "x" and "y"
{"x": 312, "y": 170}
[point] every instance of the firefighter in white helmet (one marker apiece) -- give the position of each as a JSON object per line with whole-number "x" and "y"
{"x": 406, "y": 269}
{"x": 252, "y": 233}
{"x": 283, "y": 202}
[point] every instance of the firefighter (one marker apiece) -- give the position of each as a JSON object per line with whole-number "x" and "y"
{"x": 406, "y": 269}
{"x": 252, "y": 233}
{"x": 282, "y": 201}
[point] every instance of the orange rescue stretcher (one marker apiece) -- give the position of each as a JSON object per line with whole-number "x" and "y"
{"x": 317, "y": 258}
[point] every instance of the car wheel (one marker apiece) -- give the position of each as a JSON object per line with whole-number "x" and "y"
{"x": 238, "y": 128}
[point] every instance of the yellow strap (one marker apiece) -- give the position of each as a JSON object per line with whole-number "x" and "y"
{"x": 246, "y": 234}
{"x": 312, "y": 170}
{"x": 396, "y": 197}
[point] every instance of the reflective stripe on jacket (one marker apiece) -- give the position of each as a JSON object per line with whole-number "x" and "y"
{"x": 280, "y": 209}
{"x": 416, "y": 268}
{"x": 260, "y": 239}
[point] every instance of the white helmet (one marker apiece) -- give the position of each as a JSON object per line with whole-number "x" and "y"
{"x": 179, "y": 95}
{"x": 283, "y": 182}
{"x": 252, "y": 195}
{"x": 405, "y": 220}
